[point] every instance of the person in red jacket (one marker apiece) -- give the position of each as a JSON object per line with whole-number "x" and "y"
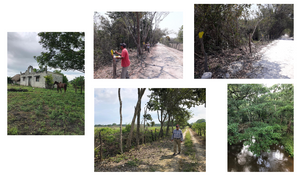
{"x": 125, "y": 62}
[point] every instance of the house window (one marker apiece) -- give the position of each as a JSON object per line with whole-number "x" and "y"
{"x": 37, "y": 78}
{"x": 23, "y": 78}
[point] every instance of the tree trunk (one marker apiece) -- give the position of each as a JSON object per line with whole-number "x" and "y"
{"x": 250, "y": 42}
{"x": 168, "y": 125}
{"x": 138, "y": 126}
{"x": 121, "y": 148}
{"x": 204, "y": 54}
{"x": 138, "y": 33}
{"x": 137, "y": 107}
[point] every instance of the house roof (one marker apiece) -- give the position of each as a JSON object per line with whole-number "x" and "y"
{"x": 16, "y": 77}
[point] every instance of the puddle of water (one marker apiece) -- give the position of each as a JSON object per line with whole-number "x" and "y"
{"x": 277, "y": 160}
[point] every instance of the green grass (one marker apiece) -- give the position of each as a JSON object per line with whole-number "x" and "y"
{"x": 45, "y": 112}
{"x": 188, "y": 144}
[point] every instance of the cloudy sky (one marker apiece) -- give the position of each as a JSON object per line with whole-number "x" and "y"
{"x": 21, "y": 47}
{"x": 107, "y": 106}
{"x": 173, "y": 21}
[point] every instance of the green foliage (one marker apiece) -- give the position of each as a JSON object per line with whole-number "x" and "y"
{"x": 65, "y": 79}
{"x": 65, "y": 50}
{"x": 180, "y": 35}
{"x": 121, "y": 27}
{"x": 9, "y": 80}
{"x": 260, "y": 116}
{"x": 49, "y": 81}
{"x": 227, "y": 26}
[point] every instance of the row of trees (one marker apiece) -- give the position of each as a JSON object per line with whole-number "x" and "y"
{"x": 229, "y": 25}
{"x": 133, "y": 28}
{"x": 200, "y": 127}
{"x": 171, "y": 105}
{"x": 265, "y": 114}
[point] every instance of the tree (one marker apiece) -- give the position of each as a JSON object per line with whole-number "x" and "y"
{"x": 65, "y": 50}
{"x": 78, "y": 82}
{"x": 49, "y": 81}
{"x": 9, "y": 80}
{"x": 180, "y": 35}
{"x": 260, "y": 116}
{"x": 65, "y": 79}
{"x": 121, "y": 146}
{"x": 137, "y": 110}
{"x": 173, "y": 103}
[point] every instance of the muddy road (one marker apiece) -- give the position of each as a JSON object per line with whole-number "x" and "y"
{"x": 161, "y": 63}
{"x": 158, "y": 157}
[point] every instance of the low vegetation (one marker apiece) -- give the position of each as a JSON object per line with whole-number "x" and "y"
{"x": 44, "y": 112}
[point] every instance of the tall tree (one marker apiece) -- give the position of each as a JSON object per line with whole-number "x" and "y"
{"x": 137, "y": 110}
{"x": 65, "y": 50}
{"x": 121, "y": 146}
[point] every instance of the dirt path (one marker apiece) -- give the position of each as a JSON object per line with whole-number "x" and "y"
{"x": 155, "y": 157}
{"x": 200, "y": 151}
{"x": 161, "y": 63}
{"x": 277, "y": 61}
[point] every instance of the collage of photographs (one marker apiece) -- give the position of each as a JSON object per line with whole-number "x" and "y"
{"x": 206, "y": 81}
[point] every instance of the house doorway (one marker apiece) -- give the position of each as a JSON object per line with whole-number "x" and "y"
{"x": 29, "y": 81}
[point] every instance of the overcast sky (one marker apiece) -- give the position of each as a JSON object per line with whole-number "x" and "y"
{"x": 21, "y": 47}
{"x": 107, "y": 106}
{"x": 173, "y": 21}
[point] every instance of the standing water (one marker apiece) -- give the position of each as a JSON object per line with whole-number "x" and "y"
{"x": 276, "y": 160}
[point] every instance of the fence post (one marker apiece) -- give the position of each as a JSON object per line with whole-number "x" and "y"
{"x": 152, "y": 135}
{"x": 114, "y": 67}
{"x": 100, "y": 145}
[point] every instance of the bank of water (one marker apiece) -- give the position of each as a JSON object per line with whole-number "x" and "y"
{"x": 277, "y": 160}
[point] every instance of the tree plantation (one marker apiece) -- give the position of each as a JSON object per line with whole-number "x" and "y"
{"x": 261, "y": 116}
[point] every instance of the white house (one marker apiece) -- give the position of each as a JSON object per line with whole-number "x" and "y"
{"x": 36, "y": 79}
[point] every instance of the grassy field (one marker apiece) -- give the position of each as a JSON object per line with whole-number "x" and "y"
{"x": 45, "y": 112}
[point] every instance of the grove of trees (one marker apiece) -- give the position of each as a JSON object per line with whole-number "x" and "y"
{"x": 228, "y": 26}
{"x": 200, "y": 127}
{"x": 133, "y": 28}
{"x": 261, "y": 116}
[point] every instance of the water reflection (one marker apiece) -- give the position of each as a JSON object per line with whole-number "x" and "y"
{"x": 240, "y": 159}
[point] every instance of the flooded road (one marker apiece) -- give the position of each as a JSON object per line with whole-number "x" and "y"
{"x": 277, "y": 160}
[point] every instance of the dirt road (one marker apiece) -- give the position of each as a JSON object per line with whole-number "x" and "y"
{"x": 161, "y": 63}
{"x": 157, "y": 157}
{"x": 277, "y": 61}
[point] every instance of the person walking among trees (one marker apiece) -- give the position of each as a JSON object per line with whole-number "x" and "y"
{"x": 178, "y": 138}
{"x": 148, "y": 47}
{"x": 125, "y": 62}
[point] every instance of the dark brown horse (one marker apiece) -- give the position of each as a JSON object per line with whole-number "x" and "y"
{"x": 60, "y": 85}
